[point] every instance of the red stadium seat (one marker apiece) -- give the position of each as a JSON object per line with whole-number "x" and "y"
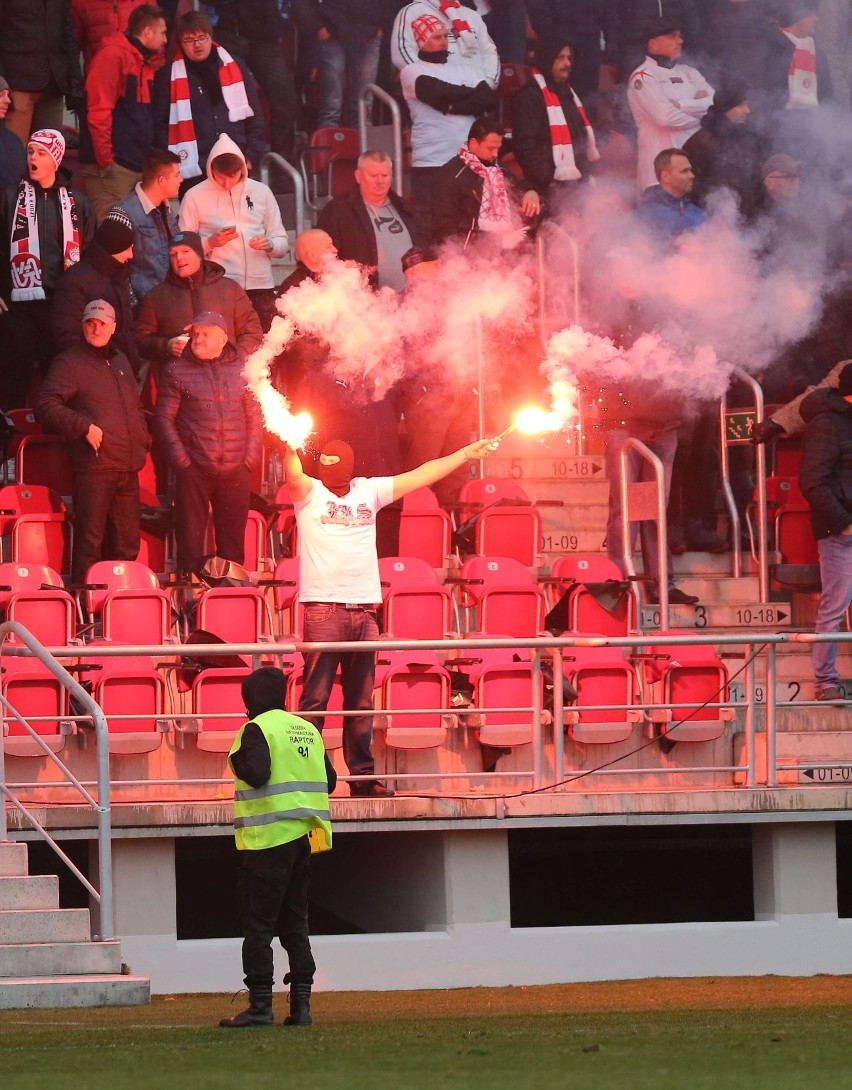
{"x": 409, "y": 680}
{"x": 501, "y": 678}
{"x": 127, "y": 597}
{"x": 415, "y": 605}
{"x": 132, "y": 695}
{"x": 235, "y": 614}
{"x": 601, "y": 676}
{"x": 328, "y": 164}
{"x": 44, "y": 459}
{"x": 502, "y": 594}
{"x": 596, "y": 597}
{"x": 425, "y": 529}
{"x": 687, "y": 674}
{"x": 500, "y": 520}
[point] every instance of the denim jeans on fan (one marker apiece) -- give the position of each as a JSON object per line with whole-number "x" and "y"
{"x": 343, "y": 66}
{"x": 331, "y": 624}
{"x": 835, "y": 567}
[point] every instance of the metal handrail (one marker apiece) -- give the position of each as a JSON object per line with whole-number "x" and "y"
{"x": 373, "y": 90}
{"x": 101, "y": 806}
{"x": 760, "y": 487}
{"x": 662, "y": 529}
{"x": 272, "y": 158}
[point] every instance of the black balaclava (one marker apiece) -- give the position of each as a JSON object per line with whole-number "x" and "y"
{"x": 337, "y": 477}
{"x": 264, "y": 691}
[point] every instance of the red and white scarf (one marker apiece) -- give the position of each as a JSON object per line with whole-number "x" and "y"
{"x": 461, "y": 27}
{"x": 27, "y": 270}
{"x": 495, "y": 209}
{"x": 560, "y": 134}
{"x": 802, "y": 76}
{"x": 182, "y": 138}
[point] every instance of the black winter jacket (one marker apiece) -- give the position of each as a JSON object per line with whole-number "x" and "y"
{"x": 458, "y": 196}
{"x": 575, "y": 21}
{"x": 251, "y": 21}
{"x": 167, "y": 310}
{"x": 532, "y": 142}
{"x": 37, "y": 46}
{"x": 97, "y": 276}
{"x": 210, "y": 115}
{"x": 825, "y": 475}
{"x": 49, "y": 216}
{"x": 205, "y": 417}
{"x": 347, "y": 221}
{"x": 87, "y": 385}
{"x": 13, "y": 157}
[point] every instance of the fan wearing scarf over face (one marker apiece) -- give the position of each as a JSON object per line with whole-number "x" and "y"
{"x": 45, "y": 225}
{"x": 475, "y": 197}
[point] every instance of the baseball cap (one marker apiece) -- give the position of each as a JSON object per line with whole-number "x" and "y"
{"x": 210, "y": 318}
{"x": 101, "y": 309}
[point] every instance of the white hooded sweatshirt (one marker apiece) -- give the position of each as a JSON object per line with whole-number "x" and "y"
{"x": 251, "y": 207}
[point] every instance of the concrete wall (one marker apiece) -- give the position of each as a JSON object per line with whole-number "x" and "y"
{"x": 454, "y": 888}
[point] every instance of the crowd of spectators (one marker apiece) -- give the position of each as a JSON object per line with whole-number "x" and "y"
{"x": 165, "y": 225}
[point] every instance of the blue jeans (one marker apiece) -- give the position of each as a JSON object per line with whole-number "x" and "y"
{"x": 663, "y": 443}
{"x": 331, "y": 624}
{"x": 835, "y": 568}
{"x": 343, "y": 66}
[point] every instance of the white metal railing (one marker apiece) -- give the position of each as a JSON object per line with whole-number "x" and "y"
{"x": 757, "y": 648}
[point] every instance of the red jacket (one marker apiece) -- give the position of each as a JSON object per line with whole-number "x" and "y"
{"x": 118, "y": 103}
{"x": 95, "y": 20}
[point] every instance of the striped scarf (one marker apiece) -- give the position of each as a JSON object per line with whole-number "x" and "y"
{"x": 461, "y": 27}
{"x": 560, "y": 134}
{"x": 802, "y": 76}
{"x": 182, "y": 138}
{"x": 27, "y": 270}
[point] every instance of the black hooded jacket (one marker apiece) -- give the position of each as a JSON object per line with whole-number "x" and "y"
{"x": 264, "y": 691}
{"x": 825, "y": 475}
{"x": 531, "y": 139}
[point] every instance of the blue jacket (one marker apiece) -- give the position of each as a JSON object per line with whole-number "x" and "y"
{"x": 152, "y": 236}
{"x": 667, "y": 215}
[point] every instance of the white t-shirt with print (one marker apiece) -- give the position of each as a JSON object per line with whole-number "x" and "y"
{"x": 337, "y": 542}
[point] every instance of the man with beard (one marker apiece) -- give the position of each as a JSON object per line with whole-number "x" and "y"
{"x": 551, "y": 135}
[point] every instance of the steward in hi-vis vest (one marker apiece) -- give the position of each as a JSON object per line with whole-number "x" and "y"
{"x": 282, "y": 783}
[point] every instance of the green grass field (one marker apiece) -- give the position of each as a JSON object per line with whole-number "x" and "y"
{"x": 773, "y": 1033}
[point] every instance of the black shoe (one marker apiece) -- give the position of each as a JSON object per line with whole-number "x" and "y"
{"x": 258, "y": 1013}
{"x": 370, "y": 789}
{"x": 300, "y": 1006}
{"x": 701, "y": 539}
{"x": 678, "y": 597}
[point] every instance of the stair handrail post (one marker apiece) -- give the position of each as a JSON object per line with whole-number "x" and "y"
{"x": 760, "y": 485}
{"x": 38, "y": 651}
{"x": 662, "y": 529}
{"x": 272, "y": 158}
{"x": 372, "y": 89}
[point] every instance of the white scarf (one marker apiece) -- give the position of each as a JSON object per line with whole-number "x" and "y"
{"x": 27, "y": 270}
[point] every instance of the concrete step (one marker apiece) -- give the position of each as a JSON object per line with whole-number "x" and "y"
{"x": 13, "y": 858}
{"x": 59, "y": 958}
{"x": 45, "y": 925}
{"x": 35, "y": 891}
{"x": 101, "y": 990}
{"x": 749, "y": 617}
{"x": 821, "y": 750}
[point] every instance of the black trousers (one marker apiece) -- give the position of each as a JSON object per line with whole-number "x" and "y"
{"x": 273, "y": 892}
{"x": 228, "y": 496}
{"x": 25, "y": 339}
{"x": 106, "y": 519}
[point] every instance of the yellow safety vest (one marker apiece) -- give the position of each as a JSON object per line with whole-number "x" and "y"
{"x": 295, "y": 799}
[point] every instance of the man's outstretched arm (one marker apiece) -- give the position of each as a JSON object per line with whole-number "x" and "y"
{"x": 425, "y": 475}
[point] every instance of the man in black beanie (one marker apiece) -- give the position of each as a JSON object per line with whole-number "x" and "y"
{"x": 102, "y": 273}
{"x": 825, "y": 477}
